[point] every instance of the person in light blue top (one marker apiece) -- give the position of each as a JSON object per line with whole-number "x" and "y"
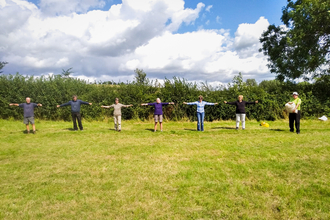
{"x": 200, "y": 111}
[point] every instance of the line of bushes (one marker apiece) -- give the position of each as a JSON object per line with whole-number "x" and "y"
{"x": 57, "y": 89}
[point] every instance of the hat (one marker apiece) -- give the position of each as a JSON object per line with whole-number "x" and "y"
{"x": 295, "y": 93}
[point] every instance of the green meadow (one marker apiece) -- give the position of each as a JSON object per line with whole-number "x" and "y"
{"x": 222, "y": 173}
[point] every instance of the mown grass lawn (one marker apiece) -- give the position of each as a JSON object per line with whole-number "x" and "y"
{"x": 258, "y": 173}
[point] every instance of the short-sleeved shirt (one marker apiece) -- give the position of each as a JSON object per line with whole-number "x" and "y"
{"x": 296, "y": 101}
{"x": 158, "y": 107}
{"x": 28, "y": 109}
{"x": 117, "y": 108}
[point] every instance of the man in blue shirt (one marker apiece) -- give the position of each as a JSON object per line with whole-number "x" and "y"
{"x": 200, "y": 111}
{"x": 75, "y": 111}
{"x": 28, "y": 109}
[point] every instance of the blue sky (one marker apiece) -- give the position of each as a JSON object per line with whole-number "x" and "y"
{"x": 199, "y": 40}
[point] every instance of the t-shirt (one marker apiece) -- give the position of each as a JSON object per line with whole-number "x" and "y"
{"x": 200, "y": 105}
{"x": 28, "y": 109}
{"x": 75, "y": 105}
{"x": 240, "y": 106}
{"x": 117, "y": 108}
{"x": 158, "y": 107}
{"x": 296, "y": 101}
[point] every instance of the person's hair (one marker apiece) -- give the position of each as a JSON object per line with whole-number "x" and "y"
{"x": 158, "y": 98}
{"x": 200, "y": 97}
{"x": 240, "y": 96}
{"x": 116, "y": 99}
{"x": 74, "y": 96}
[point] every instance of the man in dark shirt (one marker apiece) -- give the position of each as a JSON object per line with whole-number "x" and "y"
{"x": 75, "y": 111}
{"x": 240, "y": 110}
{"x": 28, "y": 109}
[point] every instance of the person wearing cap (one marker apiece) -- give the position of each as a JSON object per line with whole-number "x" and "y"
{"x": 117, "y": 113}
{"x": 294, "y": 116}
{"x": 200, "y": 111}
{"x": 28, "y": 109}
{"x": 75, "y": 111}
{"x": 158, "y": 113}
{"x": 240, "y": 110}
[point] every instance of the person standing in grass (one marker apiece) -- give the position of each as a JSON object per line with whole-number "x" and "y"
{"x": 28, "y": 109}
{"x": 158, "y": 113}
{"x": 117, "y": 113}
{"x": 200, "y": 111}
{"x": 240, "y": 110}
{"x": 294, "y": 116}
{"x": 75, "y": 111}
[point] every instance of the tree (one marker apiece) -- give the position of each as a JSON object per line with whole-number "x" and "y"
{"x": 2, "y": 65}
{"x": 141, "y": 77}
{"x": 302, "y": 47}
{"x": 67, "y": 73}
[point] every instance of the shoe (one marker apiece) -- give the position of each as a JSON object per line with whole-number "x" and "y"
{"x": 119, "y": 130}
{"x": 28, "y": 132}
{"x": 291, "y": 131}
{"x": 154, "y": 130}
{"x": 236, "y": 128}
{"x": 161, "y": 130}
{"x": 298, "y": 132}
{"x": 34, "y": 132}
{"x": 243, "y": 128}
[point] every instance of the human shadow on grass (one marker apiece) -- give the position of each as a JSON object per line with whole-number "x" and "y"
{"x": 190, "y": 129}
{"x": 277, "y": 129}
{"x": 69, "y": 129}
{"x": 229, "y": 128}
{"x": 149, "y": 129}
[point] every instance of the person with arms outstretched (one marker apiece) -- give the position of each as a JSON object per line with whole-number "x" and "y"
{"x": 200, "y": 111}
{"x": 75, "y": 111}
{"x": 28, "y": 109}
{"x": 240, "y": 110}
{"x": 117, "y": 113}
{"x": 158, "y": 113}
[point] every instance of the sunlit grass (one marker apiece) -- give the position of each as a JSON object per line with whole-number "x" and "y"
{"x": 258, "y": 173}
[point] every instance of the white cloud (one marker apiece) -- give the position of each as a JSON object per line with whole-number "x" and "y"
{"x": 208, "y": 8}
{"x": 109, "y": 45}
{"x": 218, "y": 20}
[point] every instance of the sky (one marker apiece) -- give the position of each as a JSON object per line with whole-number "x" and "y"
{"x": 104, "y": 40}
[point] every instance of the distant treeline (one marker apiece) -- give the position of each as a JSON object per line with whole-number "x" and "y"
{"x": 57, "y": 89}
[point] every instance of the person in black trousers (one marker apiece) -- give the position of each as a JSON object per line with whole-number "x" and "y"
{"x": 294, "y": 116}
{"x": 75, "y": 111}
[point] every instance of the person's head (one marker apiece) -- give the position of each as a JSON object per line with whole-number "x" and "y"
{"x": 116, "y": 100}
{"x": 240, "y": 97}
{"x": 158, "y": 100}
{"x": 28, "y": 100}
{"x": 200, "y": 98}
{"x": 74, "y": 98}
{"x": 295, "y": 95}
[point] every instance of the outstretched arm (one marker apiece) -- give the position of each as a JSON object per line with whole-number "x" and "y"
{"x": 104, "y": 106}
{"x": 190, "y": 103}
{"x": 210, "y": 103}
{"x": 126, "y": 106}
{"x": 65, "y": 104}
{"x": 39, "y": 105}
{"x": 144, "y": 104}
{"x": 85, "y": 103}
{"x": 14, "y": 104}
{"x": 230, "y": 103}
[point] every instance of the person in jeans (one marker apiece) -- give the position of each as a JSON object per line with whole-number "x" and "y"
{"x": 240, "y": 110}
{"x": 294, "y": 116}
{"x": 117, "y": 113}
{"x": 75, "y": 111}
{"x": 200, "y": 111}
{"x": 28, "y": 109}
{"x": 158, "y": 113}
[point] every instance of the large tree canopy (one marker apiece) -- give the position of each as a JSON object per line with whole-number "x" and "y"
{"x": 301, "y": 48}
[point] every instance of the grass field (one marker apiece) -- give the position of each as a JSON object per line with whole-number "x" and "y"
{"x": 258, "y": 173}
